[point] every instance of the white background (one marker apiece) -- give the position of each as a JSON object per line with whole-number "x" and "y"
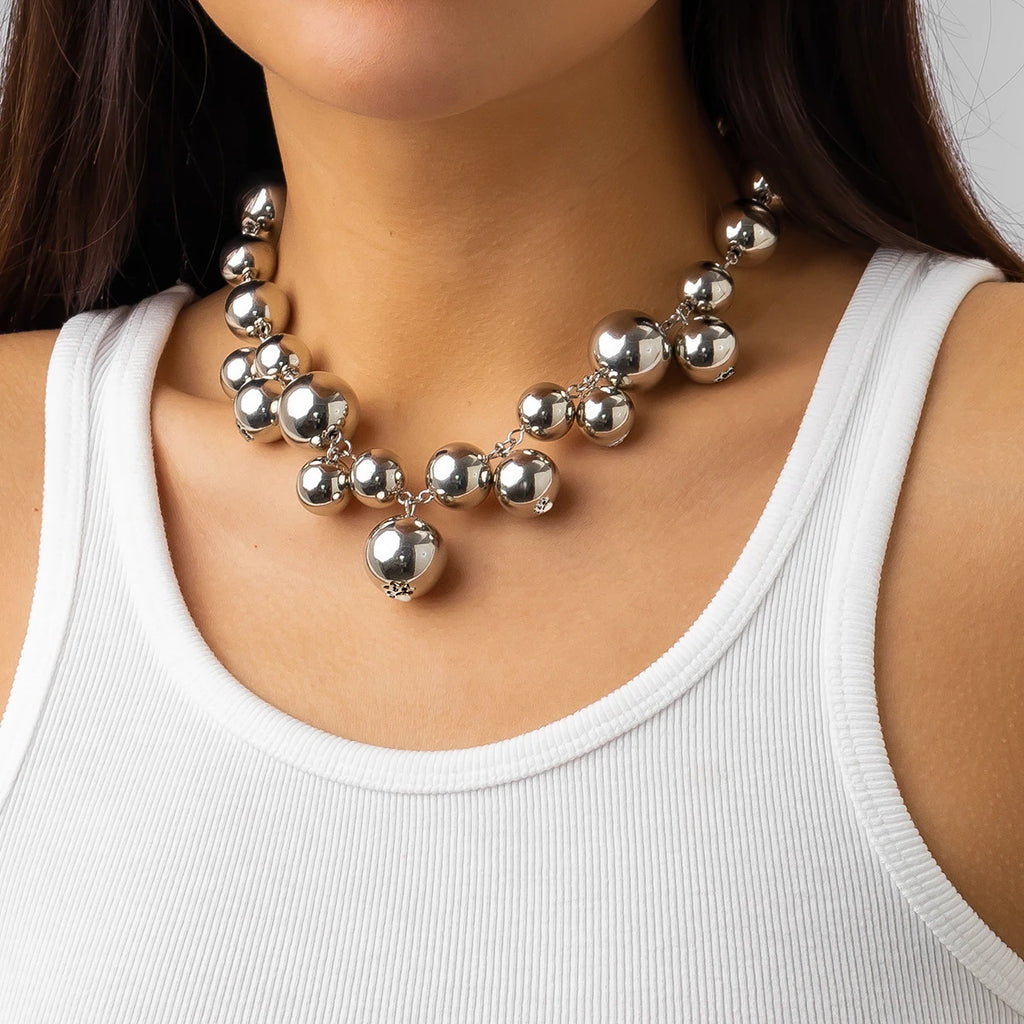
{"x": 977, "y": 50}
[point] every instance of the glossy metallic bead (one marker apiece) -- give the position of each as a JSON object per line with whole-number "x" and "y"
{"x": 459, "y": 475}
{"x": 748, "y": 227}
{"x": 314, "y": 401}
{"x": 257, "y": 405}
{"x": 236, "y": 370}
{"x": 247, "y": 259}
{"x": 322, "y": 486}
{"x": 708, "y": 286}
{"x": 754, "y": 185}
{"x": 282, "y": 355}
{"x": 605, "y": 415}
{"x": 546, "y": 411}
{"x": 526, "y": 482}
{"x": 252, "y": 304}
{"x": 631, "y": 347}
{"x": 405, "y": 556}
{"x": 376, "y": 477}
{"x": 260, "y": 210}
{"x": 706, "y": 349}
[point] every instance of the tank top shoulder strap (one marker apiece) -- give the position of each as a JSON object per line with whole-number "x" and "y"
{"x": 87, "y": 346}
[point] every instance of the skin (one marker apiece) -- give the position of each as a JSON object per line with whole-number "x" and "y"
{"x": 470, "y": 186}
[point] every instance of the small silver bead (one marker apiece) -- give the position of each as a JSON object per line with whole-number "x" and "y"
{"x": 631, "y": 347}
{"x": 459, "y": 475}
{"x": 605, "y": 415}
{"x": 236, "y": 370}
{"x": 322, "y": 487}
{"x": 706, "y": 349}
{"x": 526, "y": 483}
{"x": 257, "y": 404}
{"x": 247, "y": 259}
{"x": 405, "y": 556}
{"x": 282, "y": 355}
{"x": 546, "y": 411}
{"x": 708, "y": 286}
{"x": 315, "y": 401}
{"x": 749, "y": 228}
{"x": 252, "y": 304}
{"x": 754, "y": 185}
{"x": 376, "y": 477}
{"x": 260, "y": 210}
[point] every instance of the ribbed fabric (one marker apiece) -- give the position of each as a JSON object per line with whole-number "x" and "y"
{"x": 720, "y": 839}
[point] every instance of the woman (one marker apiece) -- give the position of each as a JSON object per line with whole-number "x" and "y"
{"x": 624, "y": 761}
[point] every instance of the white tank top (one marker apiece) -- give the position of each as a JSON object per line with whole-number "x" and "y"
{"x": 720, "y": 839}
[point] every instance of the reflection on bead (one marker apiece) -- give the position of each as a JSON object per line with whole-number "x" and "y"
{"x": 405, "y": 556}
{"x": 605, "y": 415}
{"x": 282, "y": 355}
{"x": 247, "y": 259}
{"x": 459, "y": 475}
{"x": 754, "y": 185}
{"x": 708, "y": 286}
{"x": 257, "y": 405}
{"x": 260, "y": 211}
{"x": 749, "y": 228}
{"x": 322, "y": 487}
{"x": 376, "y": 477}
{"x": 526, "y": 483}
{"x": 253, "y": 304}
{"x": 236, "y": 370}
{"x": 631, "y": 347}
{"x": 315, "y": 401}
{"x": 546, "y": 411}
{"x": 706, "y": 349}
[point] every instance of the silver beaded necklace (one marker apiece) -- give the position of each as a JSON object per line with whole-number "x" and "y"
{"x": 276, "y": 392}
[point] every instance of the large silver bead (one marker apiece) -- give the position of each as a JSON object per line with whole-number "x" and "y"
{"x": 315, "y": 401}
{"x": 376, "y": 477}
{"x": 236, "y": 370}
{"x": 323, "y": 487}
{"x": 546, "y": 411}
{"x": 754, "y": 185}
{"x": 707, "y": 285}
{"x": 282, "y": 355}
{"x": 257, "y": 404}
{"x": 459, "y": 475}
{"x": 749, "y": 228}
{"x": 405, "y": 556}
{"x": 605, "y": 415}
{"x": 260, "y": 210}
{"x": 631, "y": 347}
{"x": 706, "y": 349}
{"x": 255, "y": 309}
{"x": 247, "y": 259}
{"x": 526, "y": 482}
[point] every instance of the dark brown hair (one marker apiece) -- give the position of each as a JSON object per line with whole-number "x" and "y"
{"x": 127, "y": 127}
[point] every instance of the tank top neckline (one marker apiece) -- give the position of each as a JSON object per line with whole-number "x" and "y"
{"x": 176, "y": 639}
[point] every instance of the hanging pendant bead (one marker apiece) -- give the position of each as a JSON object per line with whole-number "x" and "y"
{"x": 631, "y": 347}
{"x": 323, "y": 487}
{"x": 260, "y": 211}
{"x": 708, "y": 286}
{"x": 706, "y": 349}
{"x": 748, "y": 228}
{"x": 526, "y": 483}
{"x": 236, "y": 370}
{"x": 282, "y": 355}
{"x": 248, "y": 259}
{"x": 754, "y": 185}
{"x": 546, "y": 411}
{"x": 313, "y": 402}
{"x": 459, "y": 475}
{"x": 257, "y": 404}
{"x": 405, "y": 556}
{"x": 605, "y": 415}
{"x": 376, "y": 477}
{"x": 256, "y": 309}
